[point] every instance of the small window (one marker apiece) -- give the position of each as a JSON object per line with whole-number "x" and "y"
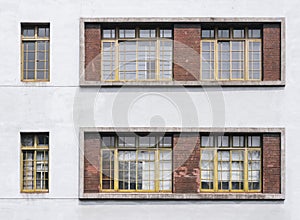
{"x": 34, "y": 162}
{"x": 35, "y": 52}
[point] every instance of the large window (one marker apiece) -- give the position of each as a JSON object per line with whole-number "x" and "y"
{"x": 230, "y": 163}
{"x": 231, "y": 53}
{"x": 136, "y": 54}
{"x": 136, "y": 163}
{"x": 34, "y": 162}
{"x": 35, "y": 52}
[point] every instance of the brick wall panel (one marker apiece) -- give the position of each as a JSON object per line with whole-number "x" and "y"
{"x": 271, "y": 163}
{"x": 91, "y": 162}
{"x": 187, "y": 52}
{"x": 186, "y": 157}
{"x": 271, "y": 52}
{"x": 92, "y": 44}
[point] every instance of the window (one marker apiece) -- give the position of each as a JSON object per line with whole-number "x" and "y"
{"x": 34, "y": 162}
{"x": 232, "y": 53}
{"x": 136, "y": 54}
{"x": 35, "y": 52}
{"x": 132, "y": 163}
{"x": 230, "y": 163}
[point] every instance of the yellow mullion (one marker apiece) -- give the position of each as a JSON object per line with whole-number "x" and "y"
{"x": 101, "y": 169}
{"x": 156, "y": 170}
{"x": 116, "y": 169}
{"x": 246, "y": 184}
{"x": 215, "y": 170}
{"x": 22, "y": 171}
{"x": 157, "y": 63}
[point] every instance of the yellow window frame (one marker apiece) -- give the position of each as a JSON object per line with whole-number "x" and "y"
{"x": 246, "y": 41}
{"x": 157, "y": 39}
{"x": 35, "y": 148}
{"x": 35, "y": 39}
{"x": 245, "y": 149}
{"x": 137, "y": 149}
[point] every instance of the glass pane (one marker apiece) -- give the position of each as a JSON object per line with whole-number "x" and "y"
{"x": 223, "y": 33}
{"x": 43, "y": 139}
{"x": 165, "y": 33}
{"x": 27, "y": 139}
{"x": 223, "y": 141}
{"x": 108, "y": 33}
{"x": 238, "y": 33}
{"x": 238, "y": 141}
{"x": 127, "y": 141}
{"x": 108, "y": 141}
{"x": 210, "y": 33}
{"x": 254, "y": 33}
{"x": 254, "y": 141}
{"x": 127, "y": 33}
{"x": 207, "y": 141}
{"x": 28, "y": 32}
{"x": 149, "y": 33}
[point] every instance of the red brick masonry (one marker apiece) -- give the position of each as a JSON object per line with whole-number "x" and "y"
{"x": 271, "y": 163}
{"x": 187, "y": 52}
{"x": 271, "y": 52}
{"x": 92, "y": 42}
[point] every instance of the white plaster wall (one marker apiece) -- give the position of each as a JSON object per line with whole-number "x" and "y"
{"x": 61, "y": 107}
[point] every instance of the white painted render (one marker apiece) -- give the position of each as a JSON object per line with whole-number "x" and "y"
{"x": 61, "y": 107}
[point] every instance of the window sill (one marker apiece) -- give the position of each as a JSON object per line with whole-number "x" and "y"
{"x": 182, "y": 83}
{"x": 184, "y": 196}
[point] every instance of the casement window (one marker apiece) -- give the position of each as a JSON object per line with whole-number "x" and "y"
{"x": 233, "y": 53}
{"x": 35, "y": 52}
{"x": 136, "y": 54}
{"x": 34, "y": 162}
{"x": 131, "y": 163}
{"x": 230, "y": 163}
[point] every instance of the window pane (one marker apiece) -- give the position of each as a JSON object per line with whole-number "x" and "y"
{"x": 254, "y": 33}
{"x": 27, "y": 139}
{"x": 108, "y": 33}
{"x": 165, "y": 33}
{"x": 127, "y": 33}
{"x": 238, "y": 33}
{"x": 207, "y": 141}
{"x": 149, "y": 33}
{"x": 210, "y": 33}
{"x": 28, "y": 32}
{"x": 223, "y": 33}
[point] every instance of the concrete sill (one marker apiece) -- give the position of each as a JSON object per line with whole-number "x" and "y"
{"x": 183, "y": 196}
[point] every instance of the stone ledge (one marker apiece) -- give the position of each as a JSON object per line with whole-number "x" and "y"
{"x": 184, "y": 196}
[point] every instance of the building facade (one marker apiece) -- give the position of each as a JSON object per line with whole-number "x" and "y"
{"x": 114, "y": 113}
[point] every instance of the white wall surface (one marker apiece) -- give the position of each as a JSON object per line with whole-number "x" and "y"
{"x": 61, "y": 107}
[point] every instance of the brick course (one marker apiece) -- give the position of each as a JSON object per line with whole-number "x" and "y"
{"x": 271, "y": 163}
{"x": 271, "y": 52}
{"x": 92, "y": 37}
